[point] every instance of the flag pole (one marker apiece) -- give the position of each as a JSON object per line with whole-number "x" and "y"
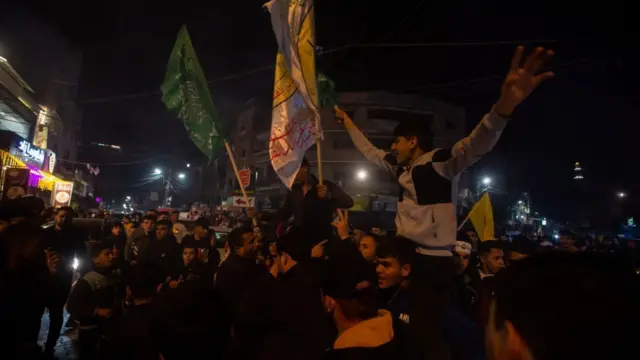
{"x": 235, "y": 171}
{"x": 319, "y": 157}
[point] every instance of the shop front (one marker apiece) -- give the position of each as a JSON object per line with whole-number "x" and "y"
{"x": 28, "y": 169}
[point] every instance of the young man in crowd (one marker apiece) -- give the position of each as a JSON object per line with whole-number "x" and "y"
{"x": 190, "y": 269}
{"x": 163, "y": 251}
{"x": 204, "y": 242}
{"x": 64, "y": 239}
{"x": 565, "y": 306}
{"x": 426, "y": 210}
{"x": 95, "y": 299}
{"x": 174, "y": 216}
{"x": 364, "y": 332}
{"x": 311, "y": 204}
{"x": 140, "y": 239}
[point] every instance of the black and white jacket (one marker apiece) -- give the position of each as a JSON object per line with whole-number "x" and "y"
{"x": 426, "y": 208}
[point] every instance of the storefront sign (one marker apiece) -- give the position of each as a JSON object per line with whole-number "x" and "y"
{"x": 61, "y": 194}
{"x": 31, "y": 151}
{"x": 50, "y": 164}
{"x": 16, "y": 183}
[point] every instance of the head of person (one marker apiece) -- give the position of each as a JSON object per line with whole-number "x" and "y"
{"x": 491, "y": 256}
{"x": 367, "y": 246}
{"x": 242, "y": 242}
{"x": 153, "y": 212}
{"x": 557, "y": 305}
{"x": 174, "y": 216}
{"x": 520, "y": 248}
{"x": 117, "y": 228}
{"x": 142, "y": 283}
{"x": 350, "y": 293}
{"x": 412, "y": 139}
{"x": 101, "y": 255}
{"x": 201, "y": 228}
{"x": 393, "y": 258}
{"x": 148, "y": 223}
{"x": 164, "y": 228}
{"x": 303, "y": 173}
{"x": 188, "y": 254}
{"x": 64, "y": 217}
{"x": 163, "y": 215}
{"x": 126, "y": 219}
{"x": 131, "y": 227}
{"x": 462, "y": 252}
{"x": 289, "y": 250}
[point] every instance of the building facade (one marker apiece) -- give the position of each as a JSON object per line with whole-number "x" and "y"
{"x": 39, "y": 76}
{"x": 375, "y": 113}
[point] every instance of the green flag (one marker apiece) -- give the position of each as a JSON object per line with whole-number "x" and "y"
{"x": 185, "y": 92}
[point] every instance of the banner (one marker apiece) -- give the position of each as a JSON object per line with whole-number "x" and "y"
{"x": 185, "y": 92}
{"x": 481, "y": 216}
{"x": 61, "y": 194}
{"x": 295, "y": 122}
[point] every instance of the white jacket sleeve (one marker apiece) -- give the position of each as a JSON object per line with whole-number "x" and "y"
{"x": 470, "y": 149}
{"x": 367, "y": 149}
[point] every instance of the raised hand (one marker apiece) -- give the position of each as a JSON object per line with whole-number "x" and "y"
{"x": 522, "y": 79}
{"x": 342, "y": 224}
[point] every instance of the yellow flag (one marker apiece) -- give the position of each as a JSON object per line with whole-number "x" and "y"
{"x": 481, "y": 216}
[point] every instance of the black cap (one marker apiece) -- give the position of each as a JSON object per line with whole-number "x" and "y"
{"x": 349, "y": 278}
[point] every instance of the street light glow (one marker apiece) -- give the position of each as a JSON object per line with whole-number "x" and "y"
{"x": 128, "y": 197}
{"x": 362, "y": 175}
{"x": 486, "y": 181}
{"x": 188, "y": 165}
{"x": 157, "y": 171}
{"x": 622, "y": 195}
{"x": 520, "y": 202}
{"x": 181, "y": 176}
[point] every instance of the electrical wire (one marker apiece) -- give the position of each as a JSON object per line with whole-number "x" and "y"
{"x": 110, "y": 164}
{"x": 322, "y": 52}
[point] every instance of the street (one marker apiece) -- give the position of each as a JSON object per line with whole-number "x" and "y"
{"x": 65, "y": 348}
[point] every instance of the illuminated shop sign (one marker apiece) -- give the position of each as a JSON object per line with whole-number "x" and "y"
{"x": 31, "y": 151}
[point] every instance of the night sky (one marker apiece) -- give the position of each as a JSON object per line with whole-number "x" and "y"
{"x": 588, "y": 112}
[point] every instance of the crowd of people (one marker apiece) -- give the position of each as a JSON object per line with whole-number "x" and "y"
{"x": 301, "y": 284}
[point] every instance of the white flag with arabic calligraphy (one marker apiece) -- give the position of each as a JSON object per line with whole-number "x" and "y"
{"x": 295, "y": 122}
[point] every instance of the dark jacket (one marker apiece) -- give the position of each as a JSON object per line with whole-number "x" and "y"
{"x": 313, "y": 214}
{"x": 67, "y": 243}
{"x": 97, "y": 289}
{"x": 162, "y": 255}
{"x": 134, "y": 336}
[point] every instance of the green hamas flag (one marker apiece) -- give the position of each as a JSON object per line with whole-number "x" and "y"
{"x": 185, "y": 92}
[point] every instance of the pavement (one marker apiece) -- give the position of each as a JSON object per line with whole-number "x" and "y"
{"x": 65, "y": 348}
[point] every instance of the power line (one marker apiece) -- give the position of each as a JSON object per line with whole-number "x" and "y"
{"x": 322, "y": 52}
{"x": 110, "y": 164}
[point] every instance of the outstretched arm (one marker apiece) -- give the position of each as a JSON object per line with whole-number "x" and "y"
{"x": 363, "y": 144}
{"x": 519, "y": 83}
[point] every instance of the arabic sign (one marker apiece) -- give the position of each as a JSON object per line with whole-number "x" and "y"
{"x": 26, "y": 151}
{"x": 246, "y": 181}
{"x": 61, "y": 194}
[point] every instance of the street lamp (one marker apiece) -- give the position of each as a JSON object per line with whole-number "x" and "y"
{"x": 181, "y": 176}
{"x": 128, "y": 198}
{"x": 622, "y": 195}
{"x": 188, "y": 165}
{"x": 157, "y": 171}
{"x": 519, "y": 202}
{"x": 362, "y": 175}
{"x": 486, "y": 181}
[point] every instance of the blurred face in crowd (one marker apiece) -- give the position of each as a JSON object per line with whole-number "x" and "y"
{"x": 200, "y": 232}
{"x": 105, "y": 259}
{"x": 403, "y": 148}
{"x": 163, "y": 217}
{"x": 188, "y": 255}
{"x": 248, "y": 245}
{"x": 462, "y": 261}
{"x": 126, "y": 220}
{"x": 493, "y": 261}
{"x": 367, "y": 247}
{"x": 174, "y": 217}
{"x": 63, "y": 219}
{"x": 390, "y": 272}
{"x": 162, "y": 231}
{"x": 148, "y": 225}
{"x": 301, "y": 176}
{"x": 116, "y": 230}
